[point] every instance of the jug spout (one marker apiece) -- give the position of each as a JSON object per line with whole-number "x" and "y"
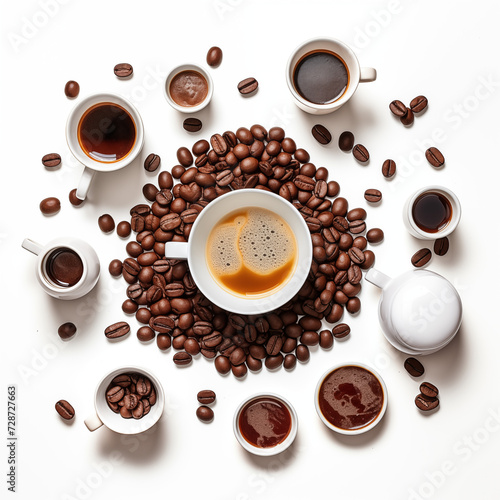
{"x": 377, "y": 278}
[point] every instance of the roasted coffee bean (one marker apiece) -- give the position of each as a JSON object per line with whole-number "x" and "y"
{"x": 360, "y": 153}
{"x": 152, "y": 162}
{"x": 340, "y": 223}
{"x": 76, "y": 202}
{"x": 222, "y": 365}
{"x": 441, "y": 246}
{"x": 165, "y": 180}
{"x": 388, "y": 168}
{"x": 326, "y": 339}
{"x": 123, "y": 229}
{"x": 409, "y": 118}
{"x": 369, "y": 260}
{"x": 162, "y": 324}
{"x": 356, "y": 255}
{"x": 421, "y": 257}
{"x": 65, "y": 410}
{"x": 206, "y": 397}
{"x": 274, "y": 344}
{"x": 237, "y": 357}
{"x": 117, "y": 330}
{"x": 134, "y": 249}
{"x": 354, "y": 274}
{"x": 304, "y": 182}
{"x": 163, "y": 341}
{"x": 339, "y": 206}
{"x": 192, "y": 124}
{"x": 357, "y": 226}
{"x": 214, "y": 57}
{"x": 66, "y": 330}
{"x": 333, "y": 188}
{"x": 414, "y": 367}
{"x": 123, "y": 70}
{"x": 425, "y": 403}
{"x": 321, "y": 134}
{"x": 72, "y": 89}
{"x": 129, "y": 306}
{"x": 360, "y": 242}
{"x": 398, "y": 108}
{"x": 51, "y": 160}
{"x": 302, "y": 353}
{"x": 185, "y": 157}
{"x": 418, "y": 104}
{"x": 191, "y": 346}
{"x": 310, "y": 338}
{"x": 248, "y": 86}
{"x": 356, "y": 214}
{"x": 131, "y": 266}
{"x": 346, "y": 141}
{"x": 435, "y": 157}
{"x": 170, "y": 221}
{"x": 130, "y": 401}
{"x": 182, "y": 358}
{"x": 375, "y": 235}
{"x": 125, "y": 412}
{"x": 289, "y": 362}
{"x": 50, "y": 206}
{"x": 274, "y": 362}
{"x": 373, "y": 195}
{"x": 341, "y": 330}
{"x": 106, "y": 223}
{"x": 115, "y": 394}
{"x": 429, "y": 390}
{"x": 205, "y": 414}
{"x": 253, "y": 364}
{"x": 177, "y": 171}
{"x": 115, "y": 267}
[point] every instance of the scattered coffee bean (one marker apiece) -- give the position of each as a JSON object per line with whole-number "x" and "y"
{"x": 321, "y": 134}
{"x": 66, "y": 330}
{"x": 106, "y": 223}
{"x": 206, "y": 397}
{"x": 50, "y": 206}
{"x": 51, "y": 160}
{"x": 123, "y": 229}
{"x": 214, "y": 57}
{"x": 117, "y": 330}
{"x": 409, "y": 118}
{"x": 425, "y": 403}
{"x": 326, "y": 339}
{"x": 341, "y": 330}
{"x": 129, "y": 306}
{"x": 389, "y": 168}
{"x": 192, "y": 124}
{"x": 73, "y": 199}
{"x": 418, "y": 104}
{"x": 115, "y": 267}
{"x": 346, "y": 141}
{"x": 123, "y": 70}
{"x": 375, "y": 235}
{"x": 421, "y": 257}
{"x": 145, "y": 334}
{"x": 414, "y": 367}
{"x": 373, "y": 195}
{"x": 398, "y": 108}
{"x": 205, "y": 414}
{"x": 429, "y": 390}
{"x": 441, "y": 246}
{"x": 360, "y": 153}
{"x": 152, "y": 162}
{"x": 65, "y": 410}
{"x": 72, "y": 89}
{"x": 435, "y": 157}
{"x": 248, "y": 86}
{"x": 182, "y": 358}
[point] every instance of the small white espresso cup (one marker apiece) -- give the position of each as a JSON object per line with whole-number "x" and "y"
{"x": 88, "y": 256}
{"x": 91, "y": 165}
{"x": 195, "y": 250}
{"x": 106, "y": 416}
{"x": 356, "y": 73}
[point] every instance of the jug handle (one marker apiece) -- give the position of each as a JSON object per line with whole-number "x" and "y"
{"x": 377, "y": 278}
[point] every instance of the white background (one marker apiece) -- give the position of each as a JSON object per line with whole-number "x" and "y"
{"x": 445, "y": 50}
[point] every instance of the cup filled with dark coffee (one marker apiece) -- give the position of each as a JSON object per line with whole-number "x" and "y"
{"x": 249, "y": 251}
{"x": 323, "y": 73}
{"x": 105, "y": 133}
{"x": 66, "y": 268}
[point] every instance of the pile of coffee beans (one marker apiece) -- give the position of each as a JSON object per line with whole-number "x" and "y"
{"x": 407, "y": 114}
{"x": 427, "y": 399}
{"x": 131, "y": 395}
{"x": 173, "y": 307}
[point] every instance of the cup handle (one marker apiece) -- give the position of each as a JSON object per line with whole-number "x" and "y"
{"x": 368, "y": 75}
{"x": 176, "y": 250}
{"x": 377, "y": 278}
{"x": 32, "y": 246}
{"x": 84, "y": 184}
{"x": 93, "y": 422}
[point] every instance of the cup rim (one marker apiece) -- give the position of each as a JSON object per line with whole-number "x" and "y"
{"x": 353, "y": 85}
{"x": 274, "y": 450}
{"x": 77, "y": 112}
{"x": 158, "y": 387}
{"x": 361, "y": 430}
{"x": 455, "y": 219}
{"x": 185, "y": 67}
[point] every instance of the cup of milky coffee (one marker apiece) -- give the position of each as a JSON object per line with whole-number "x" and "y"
{"x": 351, "y": 398}
{"x": 188, "y": 88}
{"x": 323, "y": 74}
{"x": 66, "y": 268}
{"x": 105, "y": 133}
{"x": 432, "y": 212}
{"x": 249, "y": 251}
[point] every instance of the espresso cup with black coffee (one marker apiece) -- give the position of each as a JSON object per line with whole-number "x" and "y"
{"x": 66, "y": 268}
{"x": 323, "y": 74}
{"x": 105, "y": 133}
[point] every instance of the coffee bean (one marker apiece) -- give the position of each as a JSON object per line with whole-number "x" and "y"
{"x": 369, "y": 260}
{"x": 182, "y": 358}
{"x": 214, "y": 57}
{"x": 326, "y": 339}
{"x": 205, "y": 414}
{"x": 321, "y": 134}
{"x": 289, "y": 362}
{"x": 274, "y": 362}
{"x": 273, "y": 345}
{"x": 206, "y": 397}
{"x": 50, "y": 206}
{"x": 237, "y": 357}
{"x": 429, "y": 390}
{"x": 414, "y": 367}
{"x": 72, "y": 89}
{"x": 123, "y": 229}
{"x": 346, "y": 141}
{"x": 165, "y": 180}
{"x": 192, "y": 125}
{"x": 409, "y": 118}
{"x": 310, "y": 338}
{"x": 117, "y": 330}
{"x": 356, "y": 255}
{"x": 51, "y": 160}
{"x": 185, "y": 157}
{"x": 222, "y": 365}
{"x": 398, "y": 108}
{"x": 341, "y": 330}
{"x": 115, "y": 267}
{"x": 360, "y": 153}
{"x": 152, "y": 162}
{"x": 375, "y": 235}
{"x": 302, "y": 353}
{"x": 435, "y": 157}
{"x": 145, "y": 334}
{"x": 373, "y": 195}
{"x": 418, "y": 104}
{"x": 421, "y": 257}
{"x": 130, "y": 401}
{"x": 357, "y": 226}
{"x": 106, "y": 223}
{"x": 129, "y": 306}
{"x": 354, "y": 274}
{"x": 123, "y": 70}
{"x": 115, "y": 394}
{"x": 388, "y": 168}
{"x": 425, "y": 403}
{"x": 248, "y": 86}
{"x": 65, "y": 410}
{"x": 441, "y": 246}
{"x": 73, "y": 199}
{"x": 163, "y": 341}
{"x": 162, "y": 324}
{"x": 356, "y": 214}
{"x": 219, "y": 145}
{"x": 66, "y": 330}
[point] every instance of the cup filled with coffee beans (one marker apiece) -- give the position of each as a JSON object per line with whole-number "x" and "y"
{"x": 188, "y": 88}
{"x": 351, "y": 398}
{"x": 105, "y": 133}
{"x": 323, "y": 73}
{"x": 265, "y": 424}
{"x": 249, "y": 251}
{"x": 432, "y": 212}
{"x": 128, "y": 400}
{"x": 66, "y": 268}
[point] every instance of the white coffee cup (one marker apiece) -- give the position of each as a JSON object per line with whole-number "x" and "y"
{"x": 88, "y": 256}
{"x": 195, "y": 250}
{"x": 91, "y": 165}
{"x": 106, "y": 416}
{"x": 420, "y": 312}
{"x": 357, "y": 74}
{"x": 411, "y": 225}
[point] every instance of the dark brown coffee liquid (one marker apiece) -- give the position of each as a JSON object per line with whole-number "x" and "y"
{"x": 106, "y": 132}
{"x": 431, "y": 212}
{"x": 321, "y": 77}
{"x": 64, "y": 267}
